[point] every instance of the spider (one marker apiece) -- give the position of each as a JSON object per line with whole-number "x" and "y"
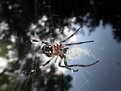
{"x": 60, "y": 50}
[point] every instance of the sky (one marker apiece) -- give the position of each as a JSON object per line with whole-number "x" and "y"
{"x": 105, "y": 75}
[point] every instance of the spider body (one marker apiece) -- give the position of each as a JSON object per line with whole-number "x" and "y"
{"x": 54, "y": 50}
{"x": 59, "y": 50}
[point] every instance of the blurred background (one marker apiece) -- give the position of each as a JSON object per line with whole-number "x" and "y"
{"x": 48, "y": 20}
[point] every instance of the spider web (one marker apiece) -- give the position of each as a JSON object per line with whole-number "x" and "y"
{"x": 33, "y": 65}
{"x": 83, "y": 73}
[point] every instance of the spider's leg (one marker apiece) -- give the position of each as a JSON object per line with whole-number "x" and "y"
{"x": 56, "y": 59}
{"x": 82, "y": 65}
{"x": 65, "y": 62}
{"x": 36, "y": 69}
{"x": 78, "y": 43}
{"x": 63, "y": 66}
{"x": 45, "y": 42}
{"x": 66, "y": 67}
{"x": 70, "y": 36}
{"x": 36, "y": 40}
{"x": 47, "y": 62}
